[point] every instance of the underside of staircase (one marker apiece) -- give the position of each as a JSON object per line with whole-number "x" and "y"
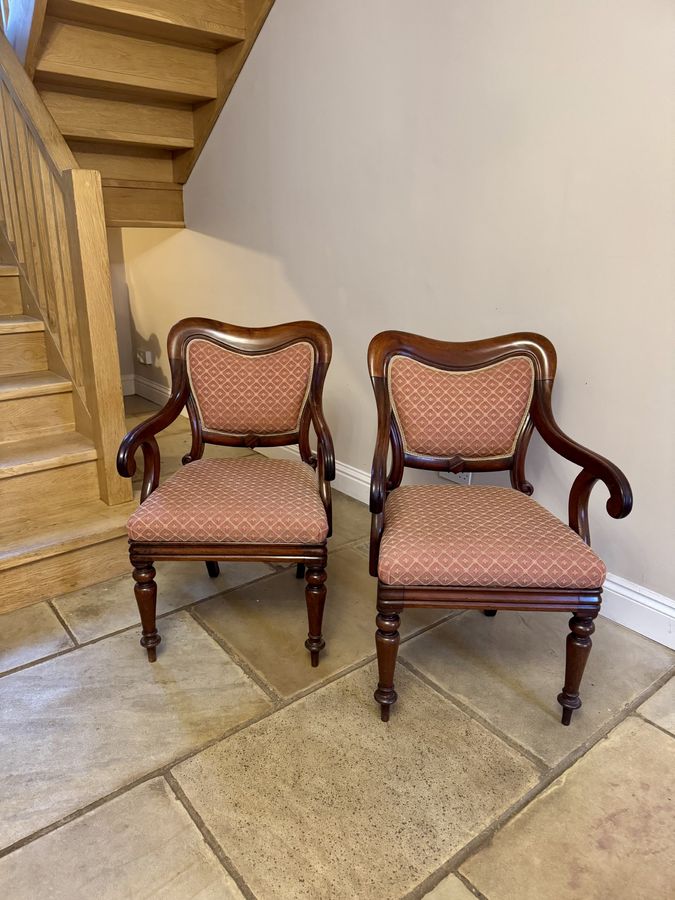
{"x": 135, "y": 88}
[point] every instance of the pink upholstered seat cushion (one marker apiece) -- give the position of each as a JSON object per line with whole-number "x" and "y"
{"x": 481, "y": 536}
{"x": 249, "y": 501}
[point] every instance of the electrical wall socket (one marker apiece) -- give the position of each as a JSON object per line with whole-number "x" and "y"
{"x": 457, "y": 477}
{"x": 144, "y": 357}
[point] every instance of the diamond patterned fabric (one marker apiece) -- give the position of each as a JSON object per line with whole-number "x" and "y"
{"x": 239, "y": 394}
{"x": 252, "y": 500}
{"x": 481, "y": 536}
{"x": 475, "y": 414}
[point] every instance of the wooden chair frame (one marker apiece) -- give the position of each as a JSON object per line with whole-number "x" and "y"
{"x": 310, "y": 558}
{"x": 391, "y": 599}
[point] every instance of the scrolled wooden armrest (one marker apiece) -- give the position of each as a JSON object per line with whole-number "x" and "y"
{"x": 593, "y": 468}
{"x": 143, "y": 437}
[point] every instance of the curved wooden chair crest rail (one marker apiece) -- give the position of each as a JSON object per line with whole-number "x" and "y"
{"x": 243, "y": 387}
{"x": 472, "y": 407}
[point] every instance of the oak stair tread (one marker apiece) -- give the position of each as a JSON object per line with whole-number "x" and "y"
{"x": 209, "y": 24}
{"x": 33, "y": 384}
{"x": 51, "y": 452}
{"x": 20, "y": 324}
{"x": 8, "y": 271}
{"x": 59, "y": 531}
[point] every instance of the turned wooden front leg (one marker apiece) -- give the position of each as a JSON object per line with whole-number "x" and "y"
{"x": 145, "y": 590}
{"x": 315, "y": 595}
{"x": 387, "y": 639}
{"x": 579, "y": 645}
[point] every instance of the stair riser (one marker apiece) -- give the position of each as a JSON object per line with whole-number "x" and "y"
{"x": 45, "y": 578}
{"x": 34, "y": 494}
{"x": 106, "y": 119}
{"x": 27, "y": 416}
{"x": 10, "y": 296}
{"x": 23, "y": 352}
{"x": 123, "y": 65}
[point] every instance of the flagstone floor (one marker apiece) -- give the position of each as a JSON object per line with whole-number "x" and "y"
{"x": 231, "y": 768}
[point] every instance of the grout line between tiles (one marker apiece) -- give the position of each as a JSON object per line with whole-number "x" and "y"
{"x": 35, "y": 662}
{"x": 469, "y": 886}
{"x": 50, "y": 604}
{"x": 225, "y": 861}
{"x": 432, "y": 880}
{"x": 638, "y": 715}
{"x": 239, "y": 660}
{"x": 97, "y": 640}
{"x": 136, "y": 782}
{"x": 166, "y": 768}
{"x": 479, "y": 841}
{"x": 541, "y": 765}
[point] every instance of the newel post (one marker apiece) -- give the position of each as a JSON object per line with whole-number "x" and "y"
{"x": 96, "y": 324}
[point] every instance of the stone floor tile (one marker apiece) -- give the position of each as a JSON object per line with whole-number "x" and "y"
{"x": 661, "y": 707}
{"x": 77, "y": 727}
{"x": 140, "y": 844}
{"x": 324, "y": 800}
{"x": 351, "y": 520}
{"x": 604, "y": 829}
{"x": 29, "y": 634}
{"x": 511, "y": 668}
{"x": 266, "y": 623}
{"x": 110, "y": 606}
{"x": 135, "y": 405}
{"x": 451, "y": 888}
{"x": 181, "y": 425}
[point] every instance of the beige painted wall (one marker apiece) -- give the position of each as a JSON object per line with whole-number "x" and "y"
{"x": 459, "y": 168}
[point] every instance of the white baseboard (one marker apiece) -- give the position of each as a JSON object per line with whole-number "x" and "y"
{"x": 128, "y": 385}
{"x": 151, "y": 390}
{"x": 348, "y": 479}
{"x": 639, "y": 609}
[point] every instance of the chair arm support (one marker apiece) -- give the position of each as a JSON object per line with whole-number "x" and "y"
{"x": 325, "y": 451}
{"x": 143, "y": 437}
{"x": 379, "y": 477}
{"x": 378, "y": 472}
{"x": 593, "y": 468}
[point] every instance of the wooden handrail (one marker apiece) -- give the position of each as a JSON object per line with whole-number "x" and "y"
{"x": 51, "y": 213}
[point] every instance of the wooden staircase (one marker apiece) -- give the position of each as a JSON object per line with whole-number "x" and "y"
{"x": 104, "y": 108}
{"x": 135, "y": 87}
{"x": 63, "y": 507}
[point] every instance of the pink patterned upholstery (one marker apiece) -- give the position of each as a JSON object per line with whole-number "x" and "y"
{"x": 240, "y": 394}
{"x": 476, "y": 414}
{"x": 481, "y": 536}
{"x": 251, "y": 500}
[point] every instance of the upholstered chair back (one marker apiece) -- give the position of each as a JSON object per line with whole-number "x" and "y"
{"x": 239, "y": 393}
{"x": 476, "y": 413}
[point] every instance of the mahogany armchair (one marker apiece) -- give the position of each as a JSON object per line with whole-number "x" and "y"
{"x": 472, "y": 407}
{"x": 243, "y": 387}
